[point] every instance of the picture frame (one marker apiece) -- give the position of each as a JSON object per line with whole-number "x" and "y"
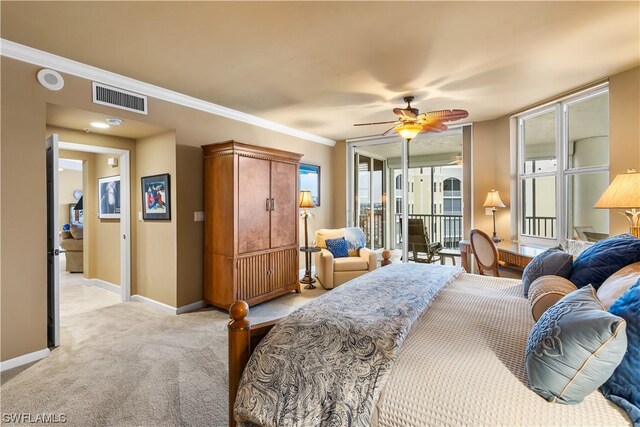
{"x": 109, "y": 197}
{"x": 156, "y": 197}
{"x": 309, "y": 179}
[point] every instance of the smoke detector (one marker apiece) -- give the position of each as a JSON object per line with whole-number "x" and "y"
{"x": 113, "y": 122}
{"x": 50, "y": 79}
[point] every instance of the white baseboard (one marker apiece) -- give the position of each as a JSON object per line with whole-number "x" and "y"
{"x": 106, "y": 285}
{"x": 153, "y": 303}
{"x": 168, "y": 308}
{"x": 24, "y": 359}
{"x": 190, "y": 307}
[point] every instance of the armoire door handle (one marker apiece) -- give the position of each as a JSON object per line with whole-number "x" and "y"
{"x": 273, "y": 204}
{"x": 268, "y": 204}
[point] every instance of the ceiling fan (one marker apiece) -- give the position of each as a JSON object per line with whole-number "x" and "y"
{"x": 410, "y": 122}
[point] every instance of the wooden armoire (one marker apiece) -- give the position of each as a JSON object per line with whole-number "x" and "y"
{"x": 251, "y": 223}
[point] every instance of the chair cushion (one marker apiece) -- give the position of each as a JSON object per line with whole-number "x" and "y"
{"x": 604, "y": 258}
{"x": 618, "y": 283}
{"x": 338, "y": 247}
{"x": 324, "y": 233}
{"x": 72, "y": 245}
{"x": 623, "y": 388}
{"x": 353, "y": 263}
{"x": 553, "y": 261}
{"x": 545, "y": 291}
{"x": 574, "y": 348}
{"x": 77, "y": 231}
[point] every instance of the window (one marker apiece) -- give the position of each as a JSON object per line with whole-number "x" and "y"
{"x": 563, "y": 168}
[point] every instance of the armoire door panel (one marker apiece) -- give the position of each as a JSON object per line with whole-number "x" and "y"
{"x": 253, "y": 206}
{"x": 284, "y": 267}
{"x": 284, "y": 214}
{"x": 254, "y": 276}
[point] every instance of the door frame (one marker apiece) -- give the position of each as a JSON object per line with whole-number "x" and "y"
{"x": 125, "y": 208}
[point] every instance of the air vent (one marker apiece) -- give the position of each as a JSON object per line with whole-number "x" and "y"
{"x": 118, "y": 98}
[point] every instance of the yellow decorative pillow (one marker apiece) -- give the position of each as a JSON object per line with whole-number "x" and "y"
{"x": 618, "y": 283}
{"x": 545, "y": 291}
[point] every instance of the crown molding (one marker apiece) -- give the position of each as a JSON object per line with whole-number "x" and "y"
{"x": 64, "y": 65}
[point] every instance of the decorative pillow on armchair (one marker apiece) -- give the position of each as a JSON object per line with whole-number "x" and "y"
{"x": 604, "y": 258}
{"x": 552, "y": 262}
{"x": 574, "y": 348}
{"x": 623, "y": 388}
{"x": 338, "y": 247}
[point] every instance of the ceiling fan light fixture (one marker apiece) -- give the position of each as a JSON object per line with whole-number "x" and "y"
{"x": 408, "y": 130}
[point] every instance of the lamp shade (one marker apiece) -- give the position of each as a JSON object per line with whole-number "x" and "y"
{"x": 622, "y": 193}
{"x": 78, "y": 206}
{"x": 306, "y": 199}
{"x": 493, "y": 200}
{"x": 408, "y": 130}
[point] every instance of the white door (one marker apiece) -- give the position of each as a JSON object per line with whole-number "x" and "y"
{"x": 53, "y": 244}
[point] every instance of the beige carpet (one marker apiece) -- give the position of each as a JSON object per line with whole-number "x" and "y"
{"x": 132, "y": 365}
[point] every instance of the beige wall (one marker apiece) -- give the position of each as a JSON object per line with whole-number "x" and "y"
{"x": 69, "y": 180}
{"x": 23, "y": 131}
{"x": 624, "y": 133}
{"x": 156, "y": 240}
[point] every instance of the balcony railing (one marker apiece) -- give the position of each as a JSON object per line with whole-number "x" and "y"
{"x": 445, "y": 229}
{"x": 540, "y": 226}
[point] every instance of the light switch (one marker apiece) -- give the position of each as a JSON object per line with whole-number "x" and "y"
{"x": 198, "y": 216}
{"x": 139, "y": 215}
{"x": 488, "y": 211}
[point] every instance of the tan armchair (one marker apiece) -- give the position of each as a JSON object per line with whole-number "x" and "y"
{"x": 332, "y": 272}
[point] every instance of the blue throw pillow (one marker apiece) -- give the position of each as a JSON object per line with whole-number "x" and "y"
{"x": 338, "y": 247}
{"x": 623, "y": 388}
{"x": 598, "y": 262}
{"x": 574, "y": 348}
{"x": 552, "y": 262}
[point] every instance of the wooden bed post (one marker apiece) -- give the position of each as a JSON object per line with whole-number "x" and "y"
{"x": 239, "y": 349}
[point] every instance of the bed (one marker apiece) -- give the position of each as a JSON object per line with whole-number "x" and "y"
{"x": 458, "y": 360}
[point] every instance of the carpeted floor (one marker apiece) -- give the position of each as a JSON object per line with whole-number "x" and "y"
{"x": 132, "y": 365}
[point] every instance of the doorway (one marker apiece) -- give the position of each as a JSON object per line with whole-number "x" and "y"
{"x": 53, "y": 145}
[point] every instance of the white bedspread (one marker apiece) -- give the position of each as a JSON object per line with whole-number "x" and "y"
{"x": 463, "y": 364}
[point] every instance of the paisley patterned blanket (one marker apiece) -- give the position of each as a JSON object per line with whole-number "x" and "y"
{"x": 326, "y": 363}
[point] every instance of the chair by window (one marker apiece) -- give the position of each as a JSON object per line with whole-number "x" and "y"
{"x": 419, "y": 244}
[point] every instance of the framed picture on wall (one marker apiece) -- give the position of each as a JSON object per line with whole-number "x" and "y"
{"x": 310, "y": 180}
{"x": 156, "y": 202}
{"x": 109, "y": 197}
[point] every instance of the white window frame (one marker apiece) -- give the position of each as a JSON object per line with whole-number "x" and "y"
{"x": 562, "y": 172}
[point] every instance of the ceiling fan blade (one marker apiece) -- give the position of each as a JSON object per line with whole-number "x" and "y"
{"x": 434, "y": 127}
{"x": 405, "y": 113}
{"x": 376, "y": 123}
{"x": 444, "y": 115}
{"x": 389, "y": 131}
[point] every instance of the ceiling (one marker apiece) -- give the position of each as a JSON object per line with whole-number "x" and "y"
{"x": 449, "y": 143}
{"x": 72, "y": 118}
{"x": 322, "y": 66}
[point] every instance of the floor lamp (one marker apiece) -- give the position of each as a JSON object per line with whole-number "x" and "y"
{"x": 306, "y": 203}
{"x": 493, "y": 201}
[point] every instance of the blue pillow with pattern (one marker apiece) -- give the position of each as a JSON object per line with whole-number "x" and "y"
{"x": 598, "y": 262}
{"x": 552, "y": 262}
{"x": 574, "y": 348}
{"x": 623, "y": 388}
{"x": 338, "y": 247}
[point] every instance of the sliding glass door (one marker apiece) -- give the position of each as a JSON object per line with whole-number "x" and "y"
{"x": 434, "y": 190}
{"x": 370, "y": 198}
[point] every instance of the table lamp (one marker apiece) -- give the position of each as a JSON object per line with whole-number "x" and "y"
{"x": 493, "y": 201}
{"x": 624, "y": 193}
{"x": 306, "y": 203}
